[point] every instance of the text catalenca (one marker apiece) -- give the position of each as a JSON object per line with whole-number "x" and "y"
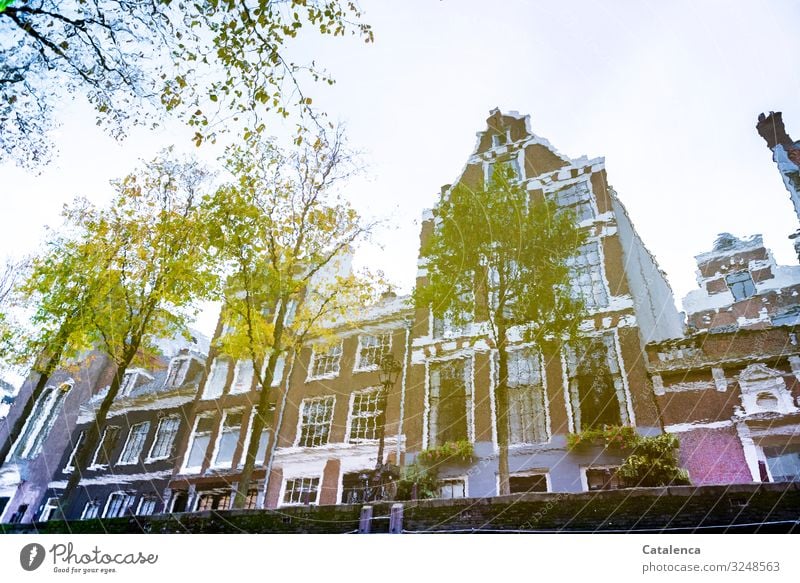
{"x": 670, "y": 550}
{"x": 66, "y": 554}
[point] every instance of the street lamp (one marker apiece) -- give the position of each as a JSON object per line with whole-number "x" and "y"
{"x": 387, "y": 374}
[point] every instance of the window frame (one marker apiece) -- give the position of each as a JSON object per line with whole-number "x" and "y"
{"x": 284, "y": 489}
{"x": 596, "y": 274}
{"x": 214, "y": 463}
{"x": 351, "y": 418}
{"x": 69, "y": 467}
{"x": 382, "y": 348}
{"x": 121, "y": 460}
{"x": 150, "y": 457}
{"x": 469, "y": 392}
{"x": 543, "y": 396}
{"x": 309, "y": 401}
{"x": 109, "y": 454}
{"x": 315, "y": 355}
{"x": 178, "y": 380}
{"x": 128, "y": 501}
{"x": 237, "y": 373}
{"x": 40, "y": 422}
{"x": 185, "y": 467}
{"x": 743, "y": 282}
{"x": 206, "y": 395}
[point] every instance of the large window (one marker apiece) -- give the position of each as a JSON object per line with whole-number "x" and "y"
{"x": 91, "y": 510}
{"x": 214, "y": 500}
{"x": 228, "y": 438}
{"x": 201, "y": 437}
{"x": 178, "y": 368}
{"x": 325, "y": 363}
{"x": 165, "y": 438}
{"x": 371, "y": 348}
{"x": 147, "y": 506}
{"x": 586, "y": 276}
{"x": 450, "y": 402}
{"x": 741, "y": 285}
{"x": 41, "y": 421}
{"x": 242, "y": 376}
{"x": 71, "y": 460}
{"x": 301, "y": 491}
{"x": 527, "y": 482}
{"x": 104, "y": 452}
{"x": 597, "y": 392}
{"x": 453, "y": 488}
{"x": 784, "y": 463}
{"x": 577, "y": 197}
{"x": 364, "y": 414}
{"x": 118, "y": 504}
{"x": 135, "y": 443}
{"x": 527, "y": 415}
{"x": 315, "y": 421}
{"x": 217, "y": 378}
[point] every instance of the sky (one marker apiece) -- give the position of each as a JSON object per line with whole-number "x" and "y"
{"x": 668, "y": 92}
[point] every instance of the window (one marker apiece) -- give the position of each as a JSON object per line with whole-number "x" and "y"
{"x": 17, "y": 517}
{"x": 596, "y": 389}
{"x": 510, "y": 166}
{"x": 527, "y": 421}
{"x": 452, "y": 324}
{"x": 364, "y": 414}
{"x": 315, "y": 421}
{"x": 228, "y": 438}
{"x": 355, "y": 487}
{"x": 455, "y": 488}
{"x": 147, "y": 506}
{"x": 784, "y": 463}
{"x": 214, "y": 500}
{"x": 603, "y": 479}
{"x": 242, "y": 376}
{"x": 586, "y": 276}
{"x": 277, "y": 377}
{"x": 217, "y": 378}
{"x": 41, "y": 421}
{"x": 201, "y": 437}
{"x": 326, "y": 364}
{"x": 118, "y": 504}
{"x": 103, "y": 454}
{"x": 135, "y": 443}
{"x": 578, "y": 197}
{"x": 450, "y": 402}
{"x": 499, "y": 139}
{"x": 251, "y": 500}
{"x": 371, "y": 349}
{"x": 128, "y": 383}
{"x": 524, "y": 483}
{"x": 301, "y": 491}
{"x": 91, "y": 510}
{"x": 261, "y": 452}
{"x": 176, "y": 375}
{"x": 71, "y": 460}
{"x": 741, "y": 285}
{"x": 165, "y": 438}
{"x": 49, "y": 510}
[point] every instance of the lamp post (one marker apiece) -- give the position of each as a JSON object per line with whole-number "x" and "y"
{"x": 389, "y": 369}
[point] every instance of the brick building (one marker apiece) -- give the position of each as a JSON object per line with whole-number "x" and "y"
{"x": 730, "y": 388}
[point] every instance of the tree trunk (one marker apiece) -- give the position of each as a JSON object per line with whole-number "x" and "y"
{"x": 259, "y": 419}
{"x": 92, "y": 436}
{"x": 501, "y": 401}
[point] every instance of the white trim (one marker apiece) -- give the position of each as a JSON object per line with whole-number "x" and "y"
{"x": 130, "y": 498}
{"x": 299, "y": 432}
{"x": 94, "y": 465}
{"x": 284, "y": 482}
{"x": 463, "y": 478}
{"x": 213, "y": 465}
{"x": 185, "y": 468}
{"x": 205, "y": 393}
{"x": 357, "y": 368}
{"x": 585, "y": 479}
{"x": 127, "y": 441}
{"x": 237, "y": 373}
{"x": 467, "y": 355}
{"x": 349, "y": 424}
{"x": 150, "y": 457}
{"x": 326, "y": 376}
{"x": 683, "y": 427}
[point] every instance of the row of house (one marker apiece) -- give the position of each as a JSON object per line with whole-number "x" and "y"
{"x": 722, "y": 376}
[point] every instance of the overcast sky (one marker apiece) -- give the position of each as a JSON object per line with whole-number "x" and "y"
{"x": 668, "y": 92}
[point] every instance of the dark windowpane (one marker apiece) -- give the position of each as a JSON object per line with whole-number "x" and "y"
{"x": 523, "y": 484}
{"x": 741, "y": 285}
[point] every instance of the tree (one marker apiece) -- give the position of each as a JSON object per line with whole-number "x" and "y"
{"x": 159, "y": 269}
{"x": 287, "y": 239}
{"x": 499, "y": 254}
{"x": 58, "y": 292}
{"x": 207, "y": 61}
